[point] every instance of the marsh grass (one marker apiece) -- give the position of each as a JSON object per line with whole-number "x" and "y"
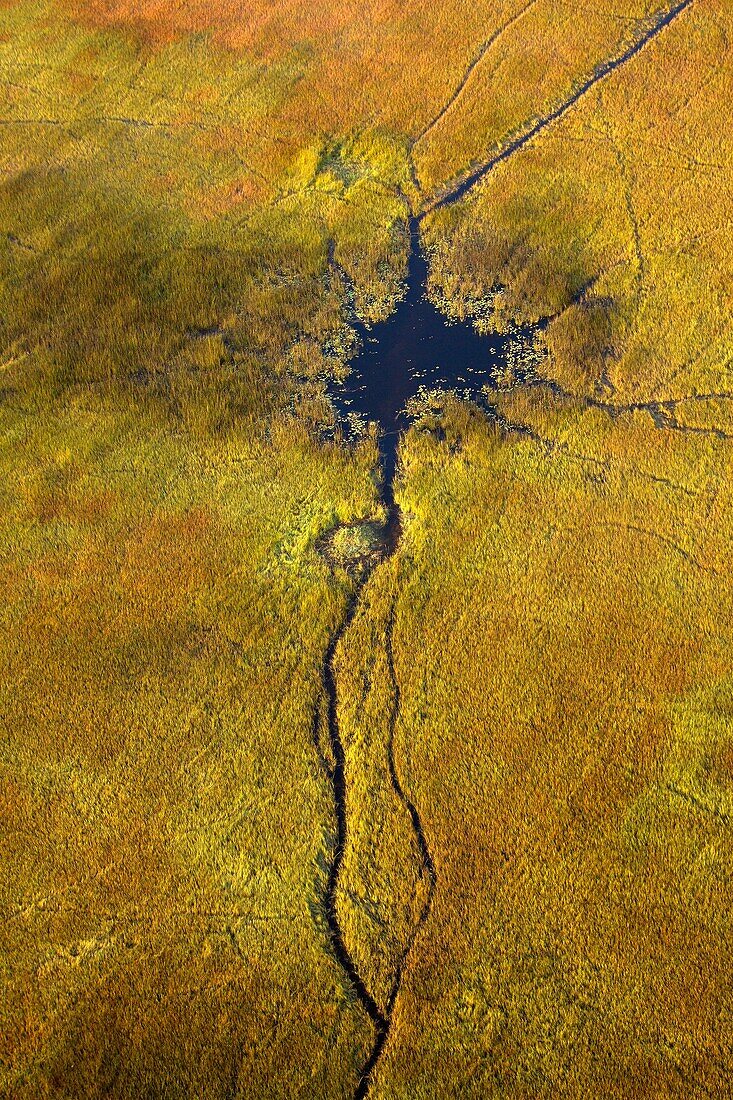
{"x": 194, "y": 209}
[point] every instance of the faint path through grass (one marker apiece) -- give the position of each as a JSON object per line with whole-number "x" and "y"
{"x": 478, "y": 58}
{"x": 464, "y": 184}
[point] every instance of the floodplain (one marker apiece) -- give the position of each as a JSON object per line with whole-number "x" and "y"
{"x": 331, "y": 766}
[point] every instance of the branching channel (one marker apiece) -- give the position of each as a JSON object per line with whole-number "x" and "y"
{"x": 381, "y": 1019}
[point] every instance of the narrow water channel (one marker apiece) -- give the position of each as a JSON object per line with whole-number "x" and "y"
{"x": 416, "y": 349}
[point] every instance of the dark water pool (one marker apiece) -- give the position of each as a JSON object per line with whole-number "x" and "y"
{"x": 417, "y": 348}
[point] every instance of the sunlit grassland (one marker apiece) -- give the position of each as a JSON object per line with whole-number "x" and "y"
{"x": 194, "y": 205}
{"x": 381, "y": 889}
{"x": 164, "y": 616}
{"x": 347, "y": 66}
{"x": 359, "y": 62}
{"x": 562, "y": 636}
{"x": 514, "y": 55}
{"x": 166, "y": 816}
{"x": 614, "y": 224}
{"x": 562, "y": 626}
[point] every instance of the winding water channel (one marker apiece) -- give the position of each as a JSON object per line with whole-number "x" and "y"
{"x": 416, "y": 349}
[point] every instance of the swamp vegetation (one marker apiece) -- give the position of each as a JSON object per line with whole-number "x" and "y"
{"x": 333, "y": 765}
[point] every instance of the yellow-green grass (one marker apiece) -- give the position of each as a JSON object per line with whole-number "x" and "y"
{"x": 614, "y": 223}
{"x": 561, "y": 629}
{"x": 165, "y": 816}
{"x": 167, "y": 819}
{"x": 562, "y": 649}
{"x": 192, "y": 203}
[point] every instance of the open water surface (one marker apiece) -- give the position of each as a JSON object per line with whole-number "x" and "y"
{"x": 418, "y": 348}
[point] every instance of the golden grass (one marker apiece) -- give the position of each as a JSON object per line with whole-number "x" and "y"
{"x": 194, "y": 201}
{"x": 563, "y": 730}
{"x": 614, "y": 224}
{"x": 164, "y": 619}
{"x": 562, "y": 629}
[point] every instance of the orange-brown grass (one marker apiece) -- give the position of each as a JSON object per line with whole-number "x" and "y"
{"x": 563, "y": 728}
{"x": 194, "y": 201}
{"x": 372, "y": 62}
{"x": 364, "y": 59}
{"x": 164, "y": 621}
{"x": 540, "y": 50}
